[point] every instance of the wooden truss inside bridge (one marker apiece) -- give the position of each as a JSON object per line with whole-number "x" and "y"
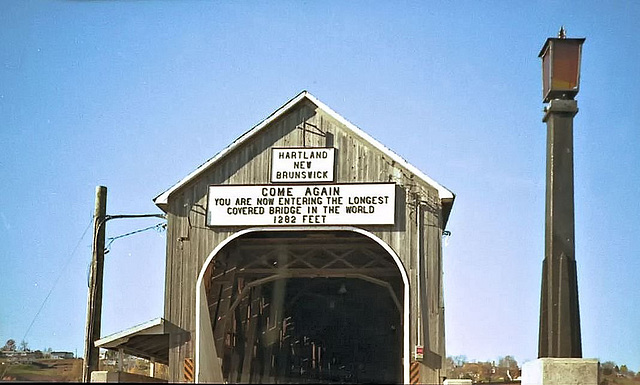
{"x": 306, "y": 306}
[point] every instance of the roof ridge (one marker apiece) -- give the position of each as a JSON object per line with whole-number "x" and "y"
{"x": 162, "y": 199}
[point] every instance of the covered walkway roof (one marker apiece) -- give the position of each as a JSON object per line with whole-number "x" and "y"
{"x": 148, "y": 340}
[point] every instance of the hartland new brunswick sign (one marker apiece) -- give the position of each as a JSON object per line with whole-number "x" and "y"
{"x": 302, "y": 164}
{"x": 301, "y": 204}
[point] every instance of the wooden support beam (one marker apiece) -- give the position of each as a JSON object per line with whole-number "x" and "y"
{"x": 120, "y": 359}
{"x": 323, "y": 273}
{"x": 267, "y": 378}
{"x": 251, "y": 333}
{"x": 239, "y": 322}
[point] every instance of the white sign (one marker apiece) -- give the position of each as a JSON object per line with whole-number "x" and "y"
{"x": 302, "y": 164}
{"x": 301, "y": 205}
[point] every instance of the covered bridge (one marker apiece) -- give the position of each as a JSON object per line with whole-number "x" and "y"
{"x": 305, "y": 251}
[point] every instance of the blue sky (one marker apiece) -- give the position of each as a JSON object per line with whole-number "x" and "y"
{"x": 134, "y": 95}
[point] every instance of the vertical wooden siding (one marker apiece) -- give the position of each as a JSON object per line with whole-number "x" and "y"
{"x": 189, "y": 241}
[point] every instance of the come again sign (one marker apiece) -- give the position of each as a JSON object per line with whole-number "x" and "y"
{"x": 301, "y": 205}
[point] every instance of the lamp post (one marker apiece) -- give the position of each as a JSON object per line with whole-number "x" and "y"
{"x": 559, "y": 311}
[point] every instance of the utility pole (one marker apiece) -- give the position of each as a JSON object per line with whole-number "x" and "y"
{"x": 94, "y": 302}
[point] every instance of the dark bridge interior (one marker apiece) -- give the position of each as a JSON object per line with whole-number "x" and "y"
{"x": 307, "y": 307}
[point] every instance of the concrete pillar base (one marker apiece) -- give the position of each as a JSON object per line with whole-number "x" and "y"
{"x": 565, "y": 371}
{"x": 458, "y": 382}
{"x": 116, "y": 376}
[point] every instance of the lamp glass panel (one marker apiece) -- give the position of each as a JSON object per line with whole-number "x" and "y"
{"x": 566, "y": 61}
{"x": 546, "y": 72}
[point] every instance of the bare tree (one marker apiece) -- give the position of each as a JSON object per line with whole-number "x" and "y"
{"x": 608, "y": 367}
{"x": 10, "y": 345}
{"x": 507, "y": 362}
{"x": 459, "y": 360}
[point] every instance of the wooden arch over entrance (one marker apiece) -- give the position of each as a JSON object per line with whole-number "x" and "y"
{"x": 292, "y": 305}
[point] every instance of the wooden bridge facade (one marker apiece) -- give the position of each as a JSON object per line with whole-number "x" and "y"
{"x": 313, "y": 302}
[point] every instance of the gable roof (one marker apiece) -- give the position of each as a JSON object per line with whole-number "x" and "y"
{"x": 445, "y": 194}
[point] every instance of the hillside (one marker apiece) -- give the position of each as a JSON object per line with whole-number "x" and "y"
{"x": 506, "y": 370}
{"x": 43, "y": 370}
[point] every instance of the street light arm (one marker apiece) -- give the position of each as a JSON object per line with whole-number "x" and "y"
{"x": 109, "y": 217}
{"x": 102, "y": 221}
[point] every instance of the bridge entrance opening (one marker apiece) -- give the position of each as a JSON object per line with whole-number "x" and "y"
{"x": 306, "y": 306}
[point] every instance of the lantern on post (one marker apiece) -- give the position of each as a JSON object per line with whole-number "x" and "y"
{"x": 561, "y": 67}
{"x": 559, "y": 311}
{"x": 559, "y": 341}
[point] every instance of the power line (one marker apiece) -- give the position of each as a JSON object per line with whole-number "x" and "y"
{"x": 158, "y": 227}
{"x": 58, "y": 278}
{"x": 106, "y": 218}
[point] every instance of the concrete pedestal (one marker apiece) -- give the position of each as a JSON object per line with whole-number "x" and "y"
{"x": 561, "y": 371}
{"x": 458, "y": 382}
{"x": 115, "y": 376}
